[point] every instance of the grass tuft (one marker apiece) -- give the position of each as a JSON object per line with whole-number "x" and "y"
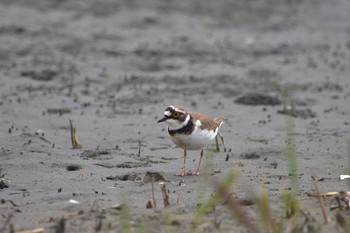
{"x": 125, "y": 219}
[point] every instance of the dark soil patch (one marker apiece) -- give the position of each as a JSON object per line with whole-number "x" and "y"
{"x": 258, "y": 99}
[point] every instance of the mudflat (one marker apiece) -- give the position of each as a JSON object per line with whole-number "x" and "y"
{"x": 272, "y": 68}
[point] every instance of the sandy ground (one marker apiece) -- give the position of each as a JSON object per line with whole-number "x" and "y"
{"x": 112, "y": 67}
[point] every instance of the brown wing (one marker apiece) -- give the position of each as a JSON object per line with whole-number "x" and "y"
{"x": 207, "y": 122}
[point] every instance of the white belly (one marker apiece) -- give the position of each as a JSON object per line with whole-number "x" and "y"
{"x": 195, "y": 141}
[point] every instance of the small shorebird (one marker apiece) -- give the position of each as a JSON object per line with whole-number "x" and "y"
{"x": 191, "y": 131}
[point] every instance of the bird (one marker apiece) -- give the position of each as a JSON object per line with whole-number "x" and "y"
{"x": 191, "y": 131}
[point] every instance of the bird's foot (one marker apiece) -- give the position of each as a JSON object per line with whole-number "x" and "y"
{"x": 183, "y": 173}
{"x": 190, "y": 173}
{"x": 195, "y": 173}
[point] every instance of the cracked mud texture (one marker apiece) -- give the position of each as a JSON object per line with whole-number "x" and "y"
{"x": 113, "y": 66}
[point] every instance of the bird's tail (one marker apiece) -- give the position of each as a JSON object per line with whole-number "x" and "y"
{"x": 220, "y": 121}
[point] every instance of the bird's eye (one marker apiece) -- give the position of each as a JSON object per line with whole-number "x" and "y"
{"x": 176, "y": 114}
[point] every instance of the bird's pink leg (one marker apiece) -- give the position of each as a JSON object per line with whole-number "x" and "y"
{"x": 196, "y": 173}
{"x": 183, "y": 173}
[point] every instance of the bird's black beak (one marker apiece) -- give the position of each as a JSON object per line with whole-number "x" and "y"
{"x": 163, "y": 119}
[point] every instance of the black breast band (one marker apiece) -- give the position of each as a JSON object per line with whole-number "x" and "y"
{"x": 187, "y": 129}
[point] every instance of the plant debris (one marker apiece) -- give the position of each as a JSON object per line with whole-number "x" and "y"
{"x": 74, "y": 138}
{"x": 343, "y": 201}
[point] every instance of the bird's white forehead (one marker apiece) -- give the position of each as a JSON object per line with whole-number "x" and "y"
{"x": 172, "y": 109}
{"x": 167, "y": 113}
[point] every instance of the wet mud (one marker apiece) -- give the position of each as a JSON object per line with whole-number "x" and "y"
{"x": 111, "y": 68}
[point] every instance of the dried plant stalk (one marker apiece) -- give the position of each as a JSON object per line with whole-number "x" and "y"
{"x": 37, "y": 230}
{"x": 165, "y": 195}
{"x": 73, "y": 135}
{"x": 326, "y": 194}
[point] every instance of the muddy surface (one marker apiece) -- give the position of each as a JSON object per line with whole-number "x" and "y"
{"x": 112, "y": 67}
